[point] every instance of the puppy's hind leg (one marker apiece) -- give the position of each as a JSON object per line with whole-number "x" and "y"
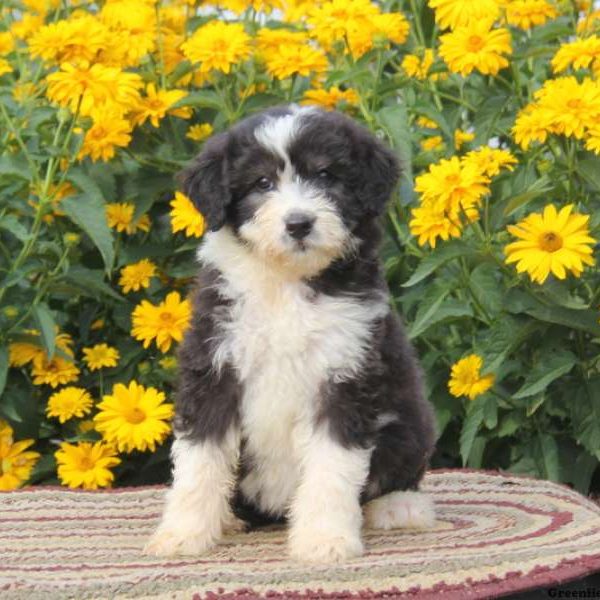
{"x": 197, "y": 510}
{"x": 400, "y": 509}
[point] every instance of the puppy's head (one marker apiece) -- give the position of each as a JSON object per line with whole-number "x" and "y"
{"x": 293, "y": 184}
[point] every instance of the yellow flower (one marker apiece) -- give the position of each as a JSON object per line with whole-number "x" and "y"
{"x": 100, "y": 356}
{"x": 580, "y": 54}
{"x": 120, "y": 217}
{"x": 21, "y": 353}
{"x": 97, "y": 324}
{"x": 53, "y": 372}
{"x": 530, "y": 126}
{"x": 429, "y": 224}
{"x": 476, "y": 47}
{"x": 466, "y": 379}
{"x": 134, "y": 417}
{"x": 7, "y": 43}
{"x": 490, "y": 161}
{"x": 137, "y": 276}
{"x": 452, "y": 185}
{"x": 163, "y": 323}
{"x": 156, "y": 104}
{"x": 552, "y": 241}
{"x": 462, "y": 137}
{"x": 268, "y": 41}
{"x": 169, "y": 363}
{"x": 459, "y": 13}
{"x": 589, "y": 23}
{"x": 5, "y": 67}
{"x": 426, "y": 123}
{"x": 294, "y": 59}
{"x": 68, "y": 403}
{"x": 108, "y": 131}
{"x": 358, "y": 22}
{"x": 592, "y": 142}
{"x": 218, "y": 45}
{"x": 185, "y": 216}
{"x": 568, "y": 106}
{"x": 418, "y": 67}
{"x": 95, "y": 85}
{"x": 86, "y": 465}
{"x": 71, "y": 40}
{"x": 527, "y": 13}
{"x": 134, "y": 28}
{"x": 330, "y": 99}
{"x": 340, "y": 19}
{"x": 16, "y": 462}
{"x": 26, "y": 26}
{"x": 239, "y": 6}
{"x": 435, "y": 142}
{"x": 199, "y": 132}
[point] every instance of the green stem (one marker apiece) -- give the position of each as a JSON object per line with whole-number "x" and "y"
{"x": 9, "y": 123}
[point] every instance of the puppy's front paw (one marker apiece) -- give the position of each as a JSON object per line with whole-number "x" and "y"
{"x": 324, "y": 547}
{"x": 170, "y": 542}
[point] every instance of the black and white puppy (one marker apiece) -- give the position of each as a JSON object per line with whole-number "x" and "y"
{"x": 299, "y": 394}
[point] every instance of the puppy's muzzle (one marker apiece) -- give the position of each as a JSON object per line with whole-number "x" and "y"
{"x": 299, "y": 225}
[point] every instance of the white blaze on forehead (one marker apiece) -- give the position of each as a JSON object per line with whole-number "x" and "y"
{"x": 277, "y": 133}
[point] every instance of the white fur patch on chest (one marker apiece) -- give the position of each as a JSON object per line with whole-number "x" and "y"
{"x": 284, "y": 342}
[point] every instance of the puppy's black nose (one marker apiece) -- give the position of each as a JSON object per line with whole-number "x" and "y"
{"x": 299, "y": 225}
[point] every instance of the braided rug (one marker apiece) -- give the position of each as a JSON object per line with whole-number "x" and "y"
{"x": 495, "y": 534}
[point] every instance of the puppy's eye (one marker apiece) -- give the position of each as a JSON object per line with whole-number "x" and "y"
{"x": 325, "y": 175}
{"x": 264, "y": 184}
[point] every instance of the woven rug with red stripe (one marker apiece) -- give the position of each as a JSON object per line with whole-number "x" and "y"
{"x": 495, "y": 534}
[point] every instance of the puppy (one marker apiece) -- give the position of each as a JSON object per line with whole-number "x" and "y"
{"x": 299, "y": 394}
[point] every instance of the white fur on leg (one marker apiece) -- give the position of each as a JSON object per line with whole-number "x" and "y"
{"x": 197, "y": 510}
{"x": 325, "y": 517}
{"x": 412, "y": 510}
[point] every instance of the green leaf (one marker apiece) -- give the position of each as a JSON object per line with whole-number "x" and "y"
{"x": 86, "y": 184}
{"x": 486, "y": 284}
{"x": 88, "y": 212}
{"x": 585, "y": 412}
{"x": 534, "y": 402}
{"x": 3, "y": 367}
{"x": 518, "y": 301}
{"x": 470, "y": 427}
{"x": 589, "y": 169}
{"x": 430, "y": 315}
{"x": 490, "y": 411}
{"x": 394, "y": 120}
{"x": 203, "y": 98}
{"x": 582, "y": 473}
{"x": 475, "y": 459}
{"x": 546, "y": 456}
{"x": 45, "y": 321}
{"x": 438, "y": 257}
{"x": 509, "y": 424}
{"x": 15, "y": 165}
{"x": 91, "y": 282}
{"x": 549, "y": 367}
{"x": 538, "y": 188}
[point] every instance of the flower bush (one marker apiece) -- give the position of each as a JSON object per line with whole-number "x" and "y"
{"x": 494, "y": 109}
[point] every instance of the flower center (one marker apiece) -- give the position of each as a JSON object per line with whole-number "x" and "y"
{"x": 85, "y": 464}
{"x": 135, "y": 415}
{"x": 166, "y": 318}
{"x": 453, "y": 179}
{"x": 550, "y": 241}
{"x": 474, "y": 43}
{"x": 574, "y": 103}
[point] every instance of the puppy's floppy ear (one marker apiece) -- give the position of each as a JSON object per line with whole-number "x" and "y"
{"x": 380, "y": 171}
{"x": 206, "y": 183}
